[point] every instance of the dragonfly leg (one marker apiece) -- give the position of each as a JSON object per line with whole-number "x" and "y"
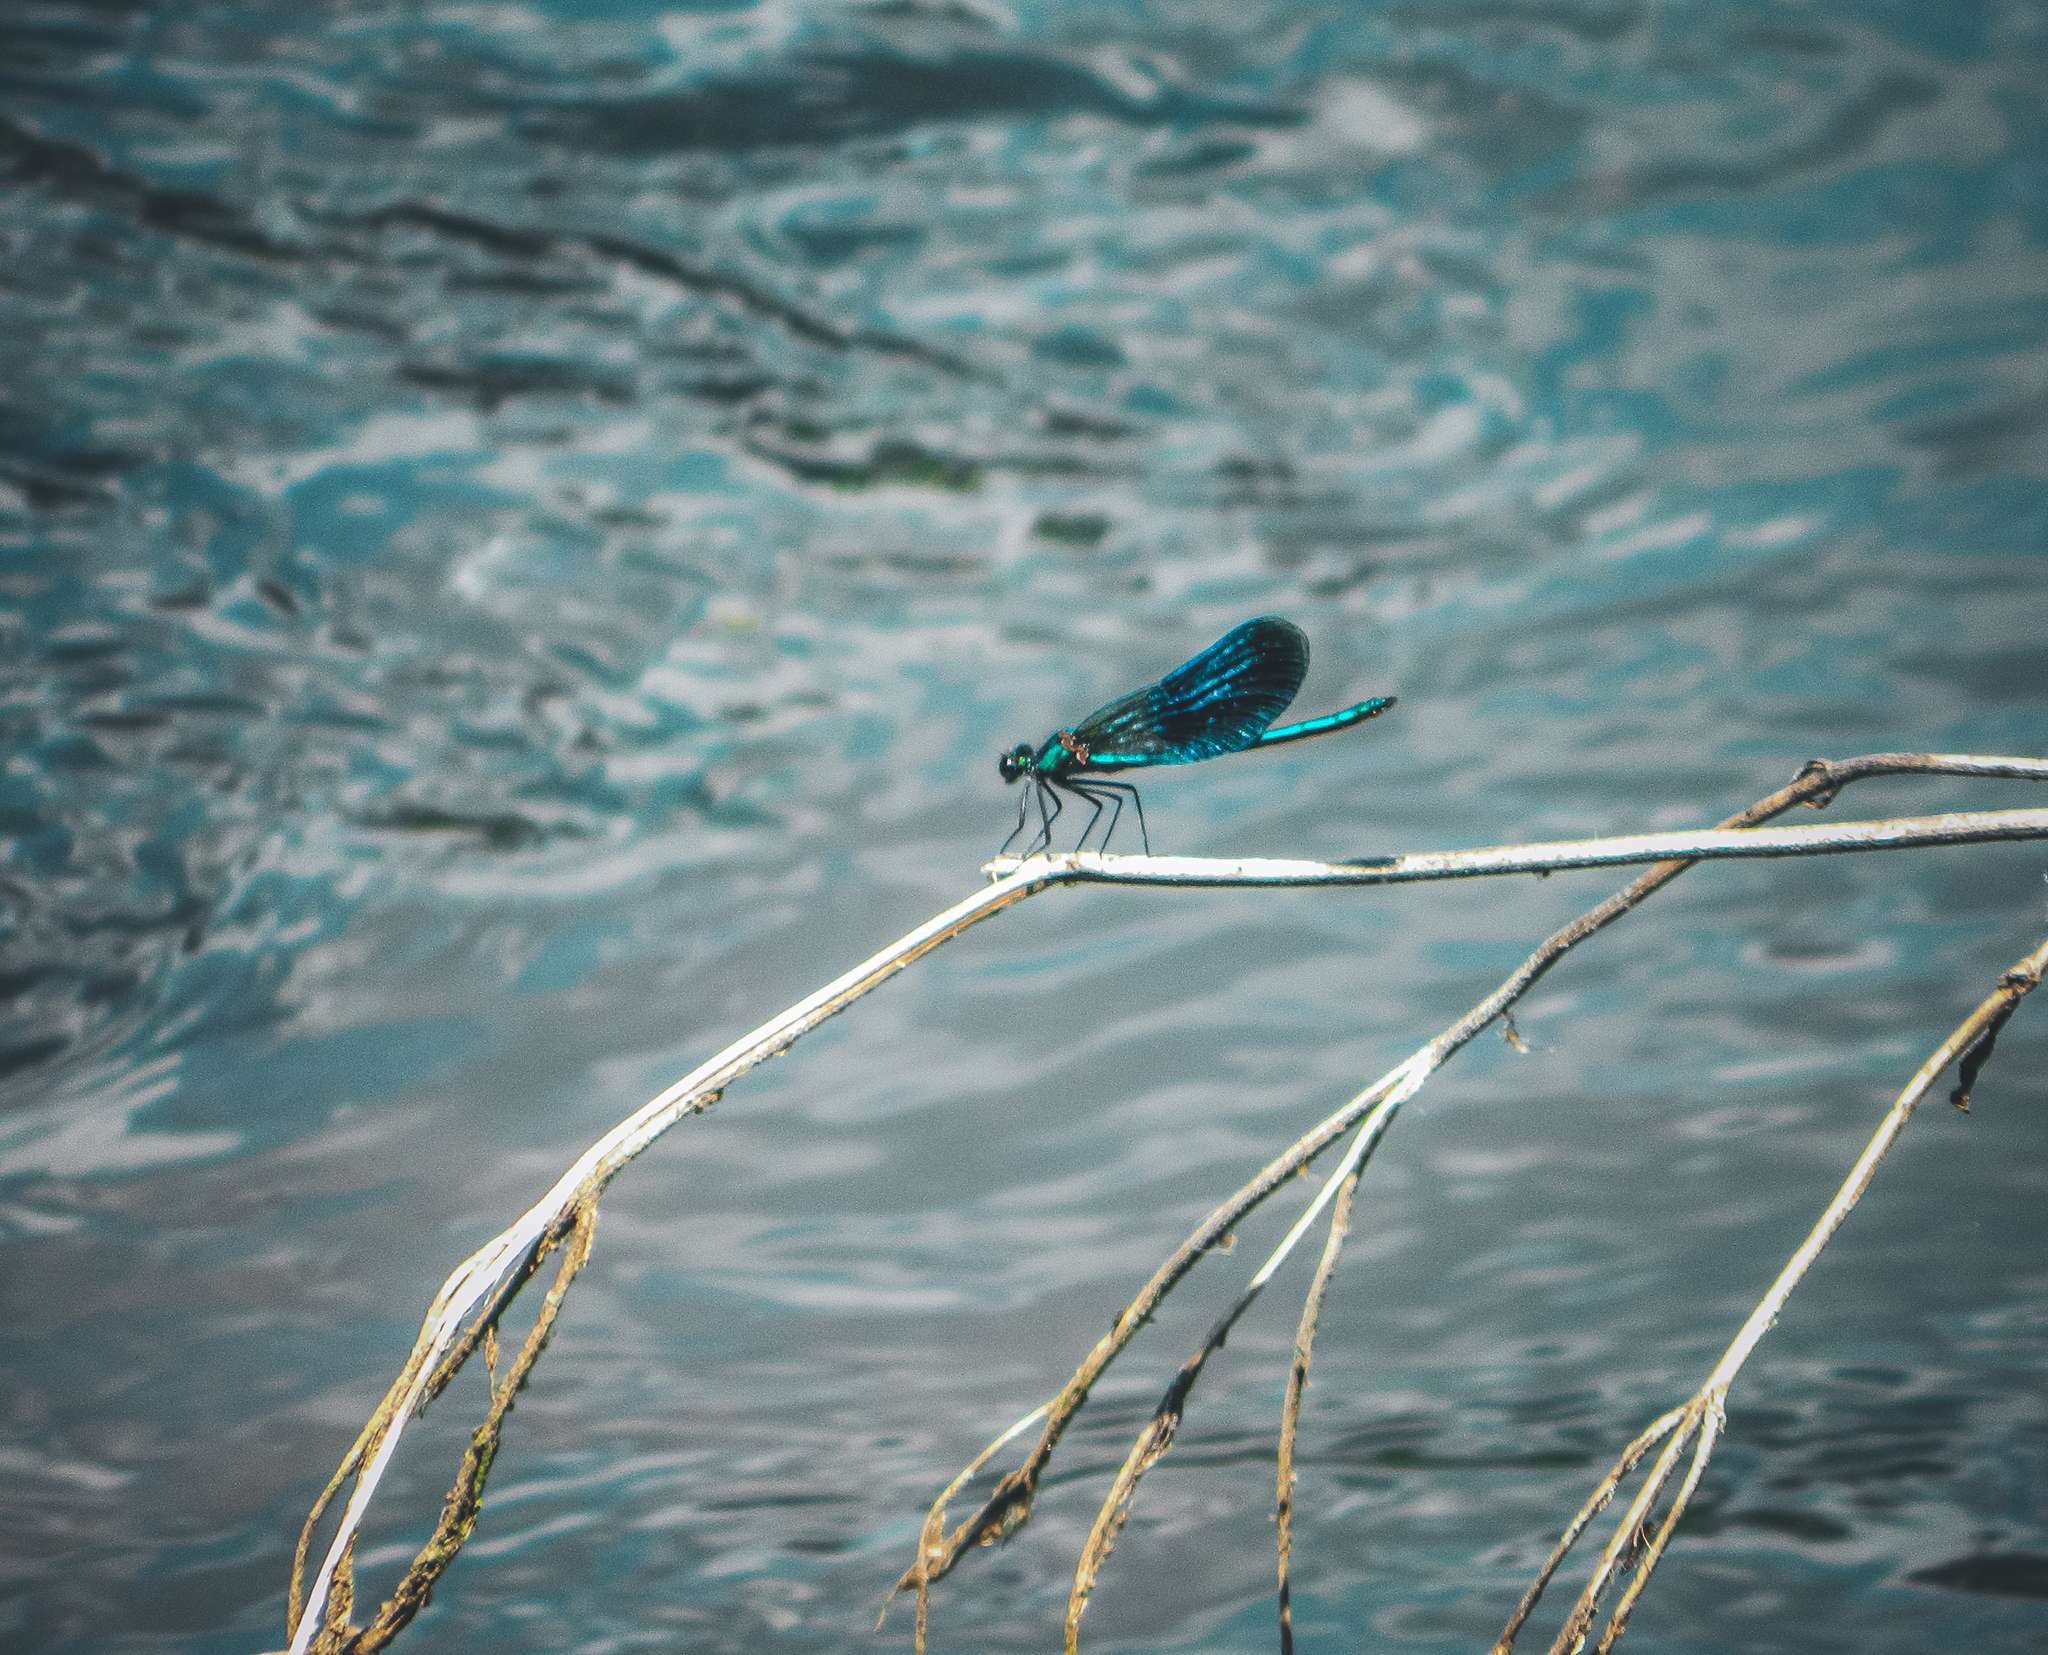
{"x": 1122, "y": 789}
{"x": 1046, "y": 797}
{"x": 1116, "y": 809}
{"x": 1086, "y": 790}
{"x": 1093, "y": 790}
{"x": 1023, "y": 811}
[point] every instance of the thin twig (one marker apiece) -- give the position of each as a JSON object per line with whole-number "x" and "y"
{"x": 1147, "y": 1451}
{"x": 1711, "y": 1423}
{"x": 934, "y": 1529}
{"x": 1625, "y": 1545}
{"x": 466, "y": 1310}
{"x": 1595, "y": 1504}
{"x": 1157, "y": 1437}
{"x": 1705, "y": 1413}
{"x": 1973, "y": 827}
{"x": 1008, "y": 1506}
{"x": 1297, "y": 1385}
{"x": 480, "y": 1289}
{"x": 465, "y": 1499}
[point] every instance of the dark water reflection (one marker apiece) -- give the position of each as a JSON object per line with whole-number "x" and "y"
{"x": 521, "y": 532}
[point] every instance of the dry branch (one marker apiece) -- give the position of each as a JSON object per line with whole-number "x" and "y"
{"x": 1703, "y": 1415}
{"x": 466, "y": 1311}
{"x": 1297, "y": 1386}
{"x": 1008, "y": 1506}
{"x": 1707, "y": 845}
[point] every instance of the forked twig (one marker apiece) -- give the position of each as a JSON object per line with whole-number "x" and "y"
{"x": 1008, "y": 1506}
{"x": 465, "y": 1499}
{"x": 1157, "y": 1437}
{"x": 933, "y": 1532}
{"x": 472, "y": 1300}
{"x": 1631, "y": 1456}
{"x": 466, "y": 1311}
{"x": 1632, "y": 1548}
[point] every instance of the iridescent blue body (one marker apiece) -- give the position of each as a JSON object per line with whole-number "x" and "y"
{"x": 1222, "y": 701}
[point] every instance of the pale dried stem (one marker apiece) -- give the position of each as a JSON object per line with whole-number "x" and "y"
{"x": 932, "y": 1534}
{"x": 1009, "y": 1505}
{"x": 1151, "y": 1446}
{"x": 1711, "y": 1422}
{"x": 1704, "y": 1413}
{"x": 1625, "y": 1544}
{"x": 466, "y": 1310}
{"x": 1963, "y": 827}
{"x": 464, "y": 1502}
{"x": 1157, "y": 1437}
{"x": 1297, "y": 1385}
{"x": 479, "y": 1291}
{"x": 1595, "y": 1504}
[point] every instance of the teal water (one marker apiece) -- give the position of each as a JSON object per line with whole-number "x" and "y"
{"x": 523, "y": 529}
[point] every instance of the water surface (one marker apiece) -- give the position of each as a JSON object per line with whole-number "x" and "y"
{"x": 522, "y": 530}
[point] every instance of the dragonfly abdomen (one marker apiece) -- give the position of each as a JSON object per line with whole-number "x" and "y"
{"x": 1343, "y": 717}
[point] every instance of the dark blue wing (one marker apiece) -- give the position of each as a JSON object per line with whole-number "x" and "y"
{"x": 1220, "y": 702}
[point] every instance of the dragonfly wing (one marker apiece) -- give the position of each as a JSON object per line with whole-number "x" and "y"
{"x": 1219, "y": 702}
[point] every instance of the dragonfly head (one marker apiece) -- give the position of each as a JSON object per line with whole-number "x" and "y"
{"x": 1014, "y": 763}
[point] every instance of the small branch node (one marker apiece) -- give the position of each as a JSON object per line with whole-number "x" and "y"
{"x": 1817, "y": 768}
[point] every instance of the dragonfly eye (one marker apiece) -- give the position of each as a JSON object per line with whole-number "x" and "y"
{"x": 1013, "y": 764}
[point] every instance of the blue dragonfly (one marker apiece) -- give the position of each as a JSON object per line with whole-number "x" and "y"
{"x": 1222, "y": 701}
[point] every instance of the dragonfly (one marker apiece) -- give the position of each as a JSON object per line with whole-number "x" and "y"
{"x": 1222, "y": 701}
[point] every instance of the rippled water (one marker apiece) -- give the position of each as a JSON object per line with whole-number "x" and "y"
{"x": 522, "y": 529}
